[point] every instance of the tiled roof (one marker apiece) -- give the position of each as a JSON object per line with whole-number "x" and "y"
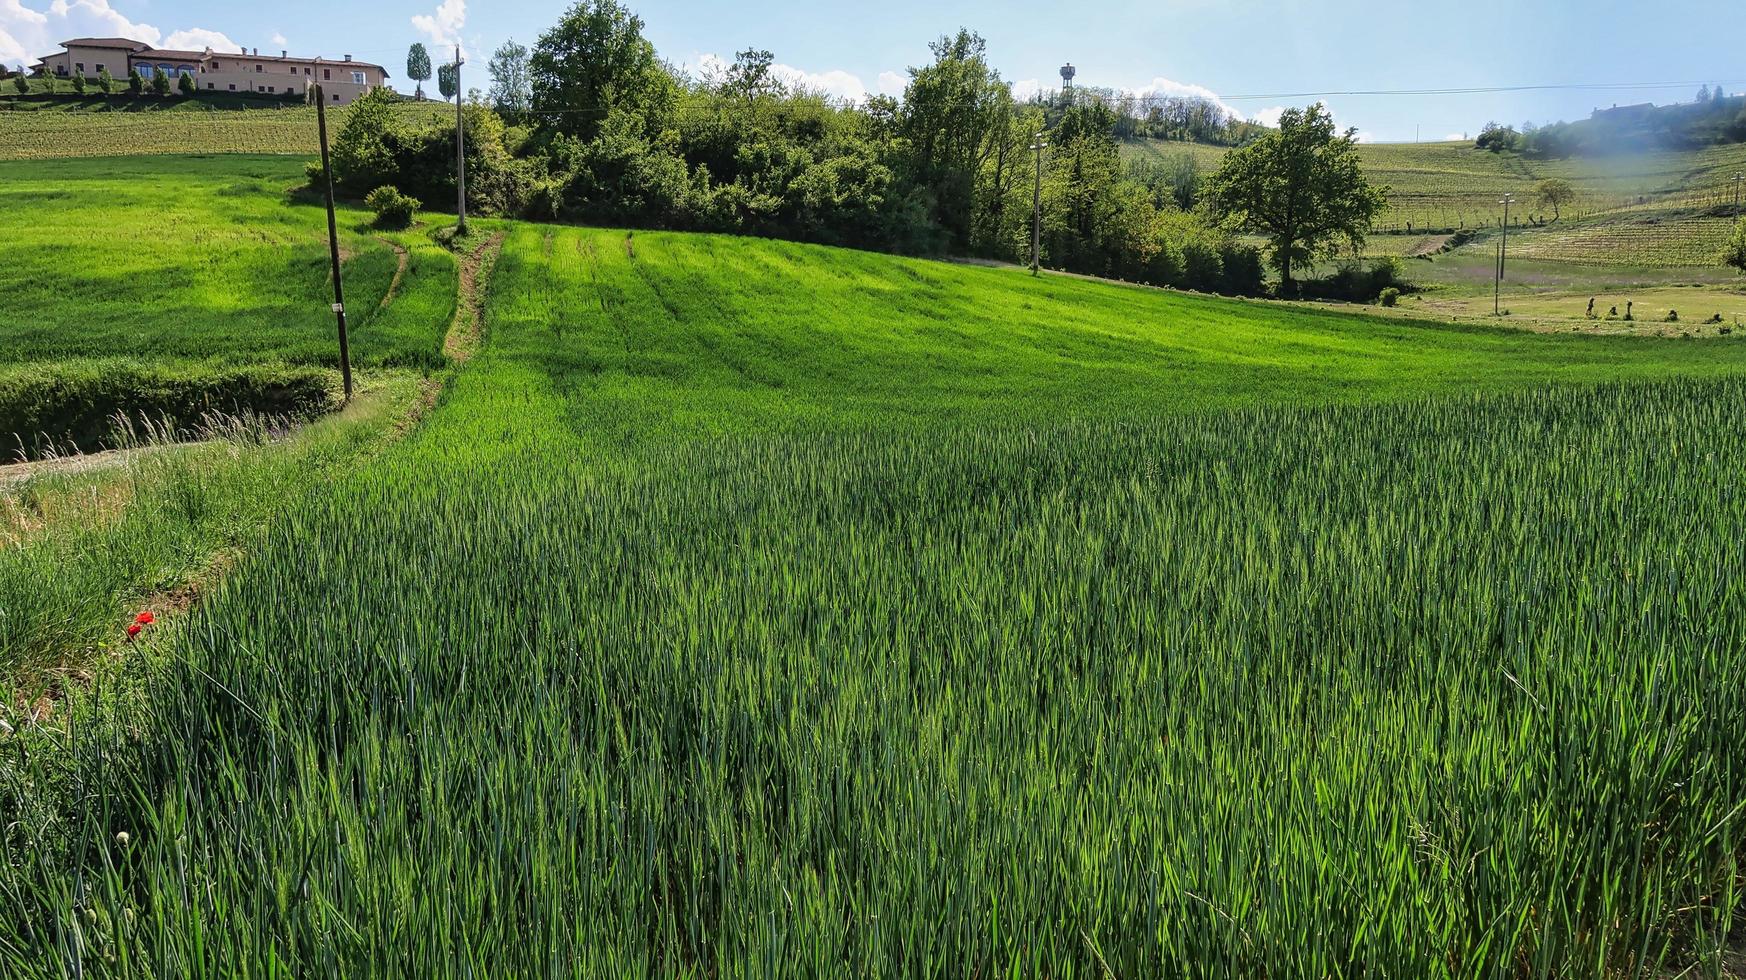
{"x": 104, "y": 42}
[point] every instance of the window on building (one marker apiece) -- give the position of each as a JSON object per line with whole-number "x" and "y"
{"x": 258, "y": 69}
{"x": 233, "y": 88}
{"x": 99, "y": 69}
{"x": 336, "y": 99}
{"x": 270, "y": 88}
{"x": 210, "y": 85}
{"x": 327, "y": 74}
{"x": 357, "y": 78}
{"x": 80, "y": 66}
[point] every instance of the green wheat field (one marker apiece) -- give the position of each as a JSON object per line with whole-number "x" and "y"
{"x": 746, "y": 608}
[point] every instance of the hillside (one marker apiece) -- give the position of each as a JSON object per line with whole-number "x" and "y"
{"x": 1661, "y": 209}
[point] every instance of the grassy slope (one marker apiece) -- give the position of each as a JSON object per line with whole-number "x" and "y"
{"x": 808, "y": 612}
{"x": 202, "y": 257}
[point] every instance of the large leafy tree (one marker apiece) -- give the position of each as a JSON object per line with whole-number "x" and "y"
{"x": 955, "y": 117}
{"x": 448, "y": 80}
{"x": 595, "y": 62}
{"x": 1302, "y": 187}
{"x": 510, "y": 90}
{"x": 418, "y": 66}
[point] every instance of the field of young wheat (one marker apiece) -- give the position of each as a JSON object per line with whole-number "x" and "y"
{"x": 755, "y": 609}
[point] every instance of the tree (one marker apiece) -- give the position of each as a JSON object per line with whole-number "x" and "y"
{"x": 79, "y": 82}
{"x": 1703, "y": 96}
{"x": 418, "y": 67}
{"x": 751, "y": 75}
{"x": 1734, "y": 253}
{"x": 448, "y": 80}
{"x": 160, "y": 82}
{"x": 954, "y": 114}
{"x": 1301, "y": 186}
{"x": 510, "y": 91}
{"x": 1555, "y": 193}
{"x": 136, "y": 82}
{"x": 595, "y": 62}
{"x": 1497, "y": 138}
{"x": 105, "y": 81}
{"x": 21, "y": 83}
{"x": 186, "y": 84}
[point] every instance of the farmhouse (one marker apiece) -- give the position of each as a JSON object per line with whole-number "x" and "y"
{"x": 217, "y": 71}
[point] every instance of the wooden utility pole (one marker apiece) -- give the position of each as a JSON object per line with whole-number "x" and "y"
{"x": 460, "y": 146}
{"x": 1037, "y": 144}
{"x": 339, "y": 294}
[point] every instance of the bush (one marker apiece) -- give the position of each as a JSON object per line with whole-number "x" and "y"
{"x": 1389, "y": 297}
{"x": 186, "y": 85}
{"x": 79, "y": 83}
{"x": 160, "y": 82}
{"x": 74, "y": 405}
{"x": 136, "y": 82}
{"x": 314, "y": 177}
{"x": 393, "y": 209}
{"x": 105, "y": 81}
{"x": 22, "y": 84}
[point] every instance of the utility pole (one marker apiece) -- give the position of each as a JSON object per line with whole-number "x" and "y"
{"x": 339, "y": 294}
{"x": 460, "y": 147}
{"x": 1738, "y": 180}
{"x": 1496, "y": 280}
{"x": 1037, "y": 144}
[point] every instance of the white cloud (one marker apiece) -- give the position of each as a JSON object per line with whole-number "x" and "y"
{"x": 1170, "y": 88}
{"x": 1026, "y": 89}
{"x": 1453, "y": 137}
{"x": 279, "y": 39}
{"x": 29, "y": 33}
{"x": 1269, "y": 116}
{"x": 836, "y": 83}
{"x": 199, "y": 39}
{"x": 443, "y": 26}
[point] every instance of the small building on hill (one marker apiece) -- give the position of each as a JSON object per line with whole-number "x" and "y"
{"x": 217, "y": 71}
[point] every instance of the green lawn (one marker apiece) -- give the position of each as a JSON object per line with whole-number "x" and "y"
{"x": 750, "y": 608}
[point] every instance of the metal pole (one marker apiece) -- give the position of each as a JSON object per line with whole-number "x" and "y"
{"x": 460, "y": 147}
{"x": 339, "y": 295}
{"x": 1037, "y": 209}
{"x": 1496, "y": 281}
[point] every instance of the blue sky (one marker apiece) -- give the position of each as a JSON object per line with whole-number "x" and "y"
{"x": 1231, "y": 48}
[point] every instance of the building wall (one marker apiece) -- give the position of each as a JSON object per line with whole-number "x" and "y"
{"x": 233, "y": 73}
{"x": 66, "y": 63}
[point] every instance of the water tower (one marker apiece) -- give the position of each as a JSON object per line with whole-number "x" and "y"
{"x": 1067, "y": 73}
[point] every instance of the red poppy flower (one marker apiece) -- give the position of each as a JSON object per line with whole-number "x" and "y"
{"x": 144, "y": 619}
{"x": 133, "y": 631}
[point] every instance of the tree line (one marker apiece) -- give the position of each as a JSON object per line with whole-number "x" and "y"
{"x": 589, "y": 124}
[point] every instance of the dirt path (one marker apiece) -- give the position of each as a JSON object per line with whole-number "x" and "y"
{"x": 404, "y": 257}
{"x": 465, "y": 333}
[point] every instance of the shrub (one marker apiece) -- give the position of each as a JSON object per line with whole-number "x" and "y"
{"x": 22, "y": 84}
{"x": 105, "y": 81}
{"x": 393, "y": 209}
{"x": 186, "y": 85}
{"x": 160, "y": 82}
{"x": 75, "y": 404}
{"x": 1389, "y": 297}
{"x": 314, "y": 176}
{"x": 136, "y": 82}
{"x": 79, "y": 83}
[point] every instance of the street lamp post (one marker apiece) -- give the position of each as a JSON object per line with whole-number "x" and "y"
{"x": 1037, "y": 145}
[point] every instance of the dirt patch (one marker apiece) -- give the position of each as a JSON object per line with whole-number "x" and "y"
{"x": 404, "y": 258}
{"x": 467, "y": 330}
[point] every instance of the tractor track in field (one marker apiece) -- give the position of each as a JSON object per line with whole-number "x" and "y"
{"x": 467, "y": 330}
{"x": 404, "y": 258}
